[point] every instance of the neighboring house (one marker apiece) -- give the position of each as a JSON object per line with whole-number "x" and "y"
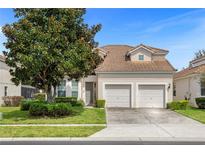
{"x": 134, "y": 77}
{"x": 187, "y": 83}
{"x": 7, "y": 87}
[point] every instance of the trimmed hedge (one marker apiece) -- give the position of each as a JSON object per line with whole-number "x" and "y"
{"x": 40, "y": 96}
{"x": 25, "y": 104}
{"x": 178, "y": 105}
{"x": 100, "y": 103}
{"x": 60, "y": 109}
{"x": 71, "y": 100}
{"x": 200, "y": 101}
{"x": 50, "y": 109}
{"x": 38, "y": 109}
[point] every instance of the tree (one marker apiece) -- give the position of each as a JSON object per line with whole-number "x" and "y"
{"x": 199, "y": 54}
{"x": 44, "y": 45}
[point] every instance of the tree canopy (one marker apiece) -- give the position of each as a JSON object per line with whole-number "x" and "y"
{"x": 199, "y": 54}
{"x": 44, "y": 45}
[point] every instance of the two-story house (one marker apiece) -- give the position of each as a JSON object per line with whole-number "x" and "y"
{"x": 133, "y": 77}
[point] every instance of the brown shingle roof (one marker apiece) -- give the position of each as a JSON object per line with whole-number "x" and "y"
{"x": 189, "y": 71}
{"x": 117, "y": 61}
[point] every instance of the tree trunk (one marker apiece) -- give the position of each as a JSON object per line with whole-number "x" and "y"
{"x": 54, "y": 92}
{"x": 49, "y": 96}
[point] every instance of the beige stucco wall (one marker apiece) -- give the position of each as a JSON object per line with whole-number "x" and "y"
{"x": 186, "y": 86}
{"x": 135, "y": 55}
{"x": 5, "y": 80}
{"x": 134, "y": 80}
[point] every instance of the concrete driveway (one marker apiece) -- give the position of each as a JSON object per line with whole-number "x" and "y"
{"x": 150, "y": 123}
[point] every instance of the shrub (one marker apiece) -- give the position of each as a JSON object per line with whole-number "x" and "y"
{"x": 200, "y": 101}
{"x": 79, "y": 103}
{"x": 100, "y": 103}
{"x": 60, "y": 109}
{"x": 25, "y": 104}
{"x": 178, "y": 105}
{"x": 12, "y": 100}
{"x": 38, "y": 109}
{"x": 71, "y": 100}
{"x": 51, "y": 110}
{"x": 40, "y": 96}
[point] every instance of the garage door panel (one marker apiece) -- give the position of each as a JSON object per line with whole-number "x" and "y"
{"x": 151, "y": 96}
{"x": 117, "y": 95}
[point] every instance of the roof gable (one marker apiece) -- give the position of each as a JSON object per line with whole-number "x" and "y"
{"x": 152, "y": 50}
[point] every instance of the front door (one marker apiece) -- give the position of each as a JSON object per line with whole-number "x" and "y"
{"x": 89, "y": 93}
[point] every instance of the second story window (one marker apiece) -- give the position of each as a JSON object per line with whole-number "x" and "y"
{"x": 141, "y": 57}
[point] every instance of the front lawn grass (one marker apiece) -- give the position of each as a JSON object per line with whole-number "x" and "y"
{"x": 194, "y": 113}
{"x": 13, "y": 115}
{"x": 48, "y": 131}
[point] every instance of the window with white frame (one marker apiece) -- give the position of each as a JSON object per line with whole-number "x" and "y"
{"x": 141, "y": 57}
{"x": 62, "y": 89}
{"x": 74, "y": 88}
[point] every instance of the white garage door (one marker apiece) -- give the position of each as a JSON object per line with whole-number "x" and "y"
{"x": 151, "y": 96}
{"x": 117, "y": 95}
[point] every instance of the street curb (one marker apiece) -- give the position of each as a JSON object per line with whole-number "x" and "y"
{"x": 103, "y": 139}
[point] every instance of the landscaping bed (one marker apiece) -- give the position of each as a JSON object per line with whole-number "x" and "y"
{"x": 13, "y": 115}
{"x": 51, "y": 131}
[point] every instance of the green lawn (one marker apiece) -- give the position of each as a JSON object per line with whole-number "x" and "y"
{"x": 51, "y": 131}
{"x": 13, "y": 115}
{"x": 194, "y": 113}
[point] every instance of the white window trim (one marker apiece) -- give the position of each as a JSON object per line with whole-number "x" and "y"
{"x": 141, "y": 56}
